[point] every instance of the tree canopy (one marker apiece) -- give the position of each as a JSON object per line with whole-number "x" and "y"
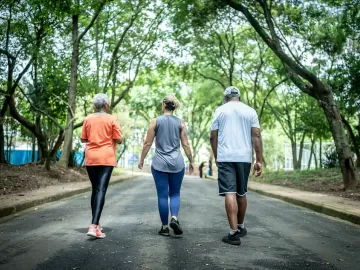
{"x": 295, "y": 62}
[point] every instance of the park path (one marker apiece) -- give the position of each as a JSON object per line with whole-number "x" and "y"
{"x": 280, "y": 235}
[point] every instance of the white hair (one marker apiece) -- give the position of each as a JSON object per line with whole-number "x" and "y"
{"x": 100, "y": 100}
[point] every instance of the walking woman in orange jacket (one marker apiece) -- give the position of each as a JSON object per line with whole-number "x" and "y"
{"x": 101, "y": 132}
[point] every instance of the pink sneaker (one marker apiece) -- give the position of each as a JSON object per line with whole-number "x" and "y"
{"x": 94, "y": 231}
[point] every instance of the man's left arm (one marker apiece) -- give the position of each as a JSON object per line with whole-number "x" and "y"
{"x": 257, "y": 142}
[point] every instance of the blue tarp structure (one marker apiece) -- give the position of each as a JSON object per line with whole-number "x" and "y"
{"x": 78, "y": 157}
{"x": 21, "y": 157}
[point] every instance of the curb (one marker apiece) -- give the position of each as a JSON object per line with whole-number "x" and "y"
{"x": 310, "y": 205}
{"x": 7, "y": 211}
{"x": 313, "y": 206}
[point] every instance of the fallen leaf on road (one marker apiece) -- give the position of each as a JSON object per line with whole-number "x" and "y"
{"x": 340, "y": 260}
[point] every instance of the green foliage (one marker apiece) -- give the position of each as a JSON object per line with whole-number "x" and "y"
{"x": 201, "y": 100}
{"x": 151, "y": 89}
{"x": 331, "y": 159}
{"x": 140, "y": 51}
{"x": 300, "y": 178}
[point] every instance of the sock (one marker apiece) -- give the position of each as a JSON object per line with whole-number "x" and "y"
{"x": 164, "y": 227}
{"x": 242, "y": 226}
{"x": 232, "y": 231}
{"x": 174, "y": 217}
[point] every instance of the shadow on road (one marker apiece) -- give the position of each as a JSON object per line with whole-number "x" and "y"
{"x": 85, "y": 230}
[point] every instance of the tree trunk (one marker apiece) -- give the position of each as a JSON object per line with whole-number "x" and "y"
{"x": 317, "y": 89}
{"x": 9, "y": 143}
{"x": 33, "y": 149}
{"x": 353, "y": 139}
{"x": 299, "y": 160}
{"x": 97, "y": 25}
{"x": 348, "y": 169}
{"x": 67, "y": 146}
{"x": 358, "y": 132}
{"x": 123, "y": 151}
{"x": 2, "y": 143}
{"x": 45, "y": 152}
{"x": 294, "y": 156}
{"x": 49, "y": 154}
{"x": 40, "y": 153}
{"x": 311, "y": 151}
{"x": 316, "y": 161}
{"x": 320, "y": 154}
{"x": 7, "y": 132}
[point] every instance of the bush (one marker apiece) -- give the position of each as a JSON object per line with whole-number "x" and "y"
{"x": 331, "y": 159}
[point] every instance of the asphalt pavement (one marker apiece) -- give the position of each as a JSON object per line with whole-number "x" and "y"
{"x": 280, "y": 235}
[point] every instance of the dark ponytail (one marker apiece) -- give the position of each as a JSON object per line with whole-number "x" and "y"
{"x": 171, "y": 102}
{"x": 169, "y": 105}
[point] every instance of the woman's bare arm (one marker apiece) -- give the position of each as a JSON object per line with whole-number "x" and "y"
{"x": 186, "y": 146}
{"x": 148, "y": 142}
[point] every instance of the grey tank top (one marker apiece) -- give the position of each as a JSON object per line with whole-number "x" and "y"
{"x": 168, "y": 157}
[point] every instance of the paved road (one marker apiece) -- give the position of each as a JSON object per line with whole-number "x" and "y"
{"x": 281, "y": 236}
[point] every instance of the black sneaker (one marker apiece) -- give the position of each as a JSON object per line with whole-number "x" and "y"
{"x": 175, "y": 225}
{"x": 243, "y": 232}
{"x": 232, "y": 239}
{"x": 164, "y": 232}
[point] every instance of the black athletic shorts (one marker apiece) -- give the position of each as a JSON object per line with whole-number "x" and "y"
{"x": 233, "y": 177}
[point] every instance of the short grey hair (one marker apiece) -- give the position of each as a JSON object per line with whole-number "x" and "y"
{"x": 100, "y": 100}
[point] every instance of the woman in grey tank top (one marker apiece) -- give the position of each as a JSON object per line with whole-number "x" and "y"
{"x": 168, "y": 165}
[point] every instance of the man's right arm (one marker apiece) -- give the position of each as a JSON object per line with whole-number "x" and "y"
{"x": 256, "y": 138}
{"x": 214, "y": 135}
{"x": 214, "y": 142}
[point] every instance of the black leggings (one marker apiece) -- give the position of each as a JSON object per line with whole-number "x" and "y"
{"x": 99, "y": 177}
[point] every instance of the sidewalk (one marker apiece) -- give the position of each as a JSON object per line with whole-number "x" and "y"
{"x": 13, "y": 203}
{"x": 327, "y": 204}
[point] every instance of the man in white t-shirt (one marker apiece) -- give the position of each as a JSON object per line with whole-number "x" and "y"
{"x": 234, "y": 129}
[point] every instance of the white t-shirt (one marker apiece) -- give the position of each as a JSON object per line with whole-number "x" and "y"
{"x": 234, "y": 121}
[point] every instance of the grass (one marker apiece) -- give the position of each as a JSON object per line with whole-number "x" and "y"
{"x": 327, "y": 181}
{"x": 332, "y": 175}
{"x": 307, "y": 179}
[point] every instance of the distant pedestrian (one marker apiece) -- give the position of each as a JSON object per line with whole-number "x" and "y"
{"x": 235, "y": 127}
{"x": 210, "y": 167}
{"x": 201, "y": 167}
{"x": 186, "y": 168}
{"x": 101, "y": 132}
{"x": 168, "y": 164}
